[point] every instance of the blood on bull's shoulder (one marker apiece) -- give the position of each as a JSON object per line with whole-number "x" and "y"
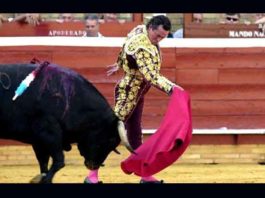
{"x": 57, "y": 107}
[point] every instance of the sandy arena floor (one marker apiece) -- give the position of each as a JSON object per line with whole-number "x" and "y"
{"x": 222, "y": 173}
{"x": 111, "y": 173}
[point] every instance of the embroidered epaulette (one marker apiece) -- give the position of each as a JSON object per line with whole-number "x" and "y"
{"x": 138, "y": 39}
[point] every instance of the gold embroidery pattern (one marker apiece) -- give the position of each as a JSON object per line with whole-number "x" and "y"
{"x": 148, "y": 61}
{"x": 150, "y": 69}
{"x": 127, "y": 92}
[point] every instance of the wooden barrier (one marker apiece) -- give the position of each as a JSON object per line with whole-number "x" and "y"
{"x": 226, "y": 84}
{"x": 202, "y": 30}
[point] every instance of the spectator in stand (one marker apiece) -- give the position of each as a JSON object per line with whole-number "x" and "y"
{"x": 231, "y": 18}
{"x": 65, "y": 17}
{"x": 170, "y": 35}
{"x": 178, "y": 33}
{"x": 259, "y": 18}
{"x": 30, "y": 18}
{"x": 111, "y": 17}
{"x": 196, "y": 18}
{"x": 3, "y": 19}
{"x": 92, "y": 26}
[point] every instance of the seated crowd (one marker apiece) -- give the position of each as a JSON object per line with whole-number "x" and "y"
{"x": 92, "y": 21}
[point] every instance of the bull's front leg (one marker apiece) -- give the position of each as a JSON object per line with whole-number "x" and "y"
{"x": 43, "y": 159}
{"x": 48, "y": 137}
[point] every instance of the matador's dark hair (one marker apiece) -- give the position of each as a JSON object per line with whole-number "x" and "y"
{"x": 159, "y": 20}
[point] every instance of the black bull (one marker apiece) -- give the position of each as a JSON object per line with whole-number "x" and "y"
{"x": 60, "y": 107}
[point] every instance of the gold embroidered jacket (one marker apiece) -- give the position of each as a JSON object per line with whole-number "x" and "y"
{"x": 141, "y": 62}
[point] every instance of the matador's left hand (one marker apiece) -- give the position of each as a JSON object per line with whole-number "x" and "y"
{"x": 179, "y": 87}
{"x": 113, "y": 69}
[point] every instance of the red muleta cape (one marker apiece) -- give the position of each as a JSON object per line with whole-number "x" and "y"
{"x": 168, "y": 143}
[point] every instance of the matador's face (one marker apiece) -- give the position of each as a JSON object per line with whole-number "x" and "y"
{"x": 156, "y": 35}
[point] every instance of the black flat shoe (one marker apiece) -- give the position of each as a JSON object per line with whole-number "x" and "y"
{"x": 87, "y": 181}
{"x": 151, "y": 182}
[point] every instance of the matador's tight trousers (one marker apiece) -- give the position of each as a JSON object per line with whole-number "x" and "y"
{"x": 134, "y": 125}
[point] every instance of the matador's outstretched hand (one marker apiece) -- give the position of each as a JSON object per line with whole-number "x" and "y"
{"x": 112, "y": 69}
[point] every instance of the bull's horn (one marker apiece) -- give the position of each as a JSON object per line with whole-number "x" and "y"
{"x": 123, "y": 136}
{"x": 116, "y": 151}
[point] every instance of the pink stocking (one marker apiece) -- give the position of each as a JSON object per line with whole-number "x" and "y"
{"x": 93, "y": 176}
{"x": 149, "y": 178}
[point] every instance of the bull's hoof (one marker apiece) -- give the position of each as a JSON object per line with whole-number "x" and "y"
{"x": 88, "y": 181}
{"x": 37, "y": 179}
{"x": 151, "y": 182}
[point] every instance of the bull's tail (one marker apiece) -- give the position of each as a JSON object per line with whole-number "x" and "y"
{"x": 124, "y": 137}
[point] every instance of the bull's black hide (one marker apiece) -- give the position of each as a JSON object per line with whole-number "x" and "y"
{"x": 60, "y": 107}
